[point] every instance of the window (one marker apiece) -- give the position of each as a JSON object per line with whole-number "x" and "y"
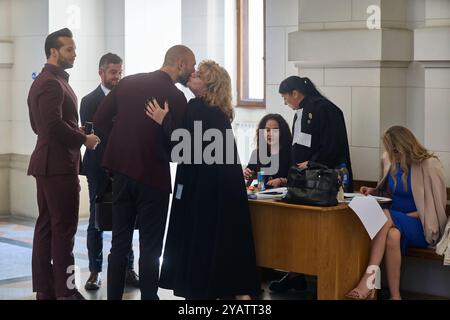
{"x": 142, "y": 18}
{"x": 251, "y": 42}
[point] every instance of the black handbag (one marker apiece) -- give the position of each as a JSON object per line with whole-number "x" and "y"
{"x": 315, "y": 185}
{"x": 103, "y": 206}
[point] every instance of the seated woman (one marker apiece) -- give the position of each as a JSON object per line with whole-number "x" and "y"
{"x": 278, "y": 141}
{"x": 209, "y": 251}
{"x": 415, "y": 180}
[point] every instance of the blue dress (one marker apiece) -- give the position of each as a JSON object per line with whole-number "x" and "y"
{"x": 411, "y": 229}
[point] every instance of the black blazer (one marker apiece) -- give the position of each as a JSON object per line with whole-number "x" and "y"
{"x": 325, "y": 122}
{"x": 92, "y": 158}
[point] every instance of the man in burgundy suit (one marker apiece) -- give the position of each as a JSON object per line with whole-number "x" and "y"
{"x": 55, "y": 164}
{"x": 138, "y": 154}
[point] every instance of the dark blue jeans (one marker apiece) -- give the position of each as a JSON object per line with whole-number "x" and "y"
{"x": 95, "y": 236}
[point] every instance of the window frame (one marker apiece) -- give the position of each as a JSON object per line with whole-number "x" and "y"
{"x": 242, "y": 57}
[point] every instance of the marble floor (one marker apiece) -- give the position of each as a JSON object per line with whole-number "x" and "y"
{"x": 16, "y": 236}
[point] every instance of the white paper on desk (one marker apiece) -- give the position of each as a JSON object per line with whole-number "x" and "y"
{"x": 276, "y": 193}
{"x": 370, "y": 213}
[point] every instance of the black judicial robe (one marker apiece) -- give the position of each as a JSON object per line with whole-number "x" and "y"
{"x": 209, "y": 251}
{"x": 325, "y": 122}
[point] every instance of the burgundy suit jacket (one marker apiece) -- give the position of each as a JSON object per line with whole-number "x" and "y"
{"x": 137, "y": 146}
{"x": 53, "y": 114}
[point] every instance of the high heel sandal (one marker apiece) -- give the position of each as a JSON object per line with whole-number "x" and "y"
{"x": 356, "y": 294}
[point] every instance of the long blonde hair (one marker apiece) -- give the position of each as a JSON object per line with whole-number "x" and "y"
{"x": 218, "y": 86}
{"x": 403, "y": 147}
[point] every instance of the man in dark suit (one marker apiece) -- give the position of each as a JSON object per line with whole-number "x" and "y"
{"x": 55, "y": 164}
{"x": 110, "y": 72}
{"x": 138, "y": 155}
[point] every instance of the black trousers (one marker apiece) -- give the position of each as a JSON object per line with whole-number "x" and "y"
{"x": 134, "y": 201}
{"x": 96, "y": 179}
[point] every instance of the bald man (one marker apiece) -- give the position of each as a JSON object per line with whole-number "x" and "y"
{"x": 138, "y": 155}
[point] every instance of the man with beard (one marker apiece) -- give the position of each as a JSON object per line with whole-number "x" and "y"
{"x": 110, "y": 72}
{"x": 138, "y": 155}
{"x": 55, "y": 164}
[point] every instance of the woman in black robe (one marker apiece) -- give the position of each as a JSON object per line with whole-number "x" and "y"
{"x": 319, "y": 132}
{"x": 209, "y": 251}
{"x": 319, "y": 135}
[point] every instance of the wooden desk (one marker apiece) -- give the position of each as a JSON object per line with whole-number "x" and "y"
{"x": 329, "y": 242}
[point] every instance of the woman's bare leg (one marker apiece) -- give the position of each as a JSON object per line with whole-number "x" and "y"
{"x": 393, "y": 262}
{"x": 376, "y": 252}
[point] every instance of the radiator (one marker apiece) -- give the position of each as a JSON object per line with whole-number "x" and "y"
{"x": 244, "y": 133}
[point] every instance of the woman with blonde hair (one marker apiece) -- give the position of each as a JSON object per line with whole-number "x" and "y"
{"x": 209, "y": 251}
{"x": 415, "y": 180}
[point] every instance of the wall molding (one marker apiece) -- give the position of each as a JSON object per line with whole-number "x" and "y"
{"x": 429, "y": 44}
{"x": 14, "y": 161}
{"x": 352, "y": 45}
{"x": 19, "y": 162}
{"x": 435, "y": 64}
{"x": 5, "y": 161}
{"x": 6, "y": 54}
{"x": 352, "y": 64}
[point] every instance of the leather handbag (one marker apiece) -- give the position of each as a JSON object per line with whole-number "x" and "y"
{"x": 103, "y": 207}
{"x": 315, "y": 185}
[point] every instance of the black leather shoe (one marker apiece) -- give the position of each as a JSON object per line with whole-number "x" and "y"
{"x": 94, "y": 282}
{"x": 286, "y": 283}
{"x": 131, "y": 279}
{"x": 76, "y": 296}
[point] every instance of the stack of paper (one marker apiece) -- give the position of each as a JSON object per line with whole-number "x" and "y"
{"x": 349, "y": 196}
{"x": 276, "y": 193}
{"x": 370, "y": 213}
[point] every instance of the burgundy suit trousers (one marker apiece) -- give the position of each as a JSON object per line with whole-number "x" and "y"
{"x": 53, "y": 264}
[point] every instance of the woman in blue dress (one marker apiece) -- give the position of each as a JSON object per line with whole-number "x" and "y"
{"x": 415, "y": 180}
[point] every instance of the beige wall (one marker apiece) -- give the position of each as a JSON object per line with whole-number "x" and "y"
{"x": 6, "y": 58}
{"x": 101, "y": 29}
{"x": 397, "y": 75}
{"x": 377, "y": 77}
{"x": 280, "y": 21}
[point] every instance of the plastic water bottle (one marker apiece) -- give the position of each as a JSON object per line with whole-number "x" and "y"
{"x": 345, "y": 177}
{"x": 261, "y": 184}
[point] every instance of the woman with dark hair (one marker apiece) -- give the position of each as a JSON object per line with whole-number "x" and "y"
{"x": 319, "y": 132}
{"x": 319, "y": 135}
{"x": 275, "y": 147}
